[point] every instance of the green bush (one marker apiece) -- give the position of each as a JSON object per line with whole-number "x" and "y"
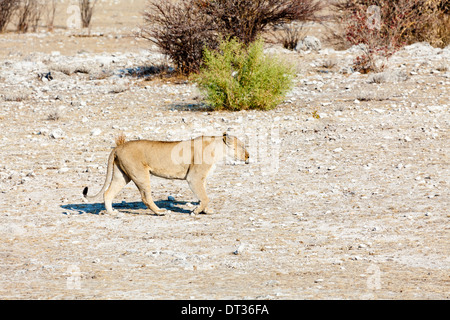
{"x": 240, "y": 77}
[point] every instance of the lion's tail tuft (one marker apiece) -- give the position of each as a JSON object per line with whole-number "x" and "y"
{"x": 85, "y": 192}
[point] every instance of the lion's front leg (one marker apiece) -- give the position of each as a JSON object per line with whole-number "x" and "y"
{"x": 197, "y": 183}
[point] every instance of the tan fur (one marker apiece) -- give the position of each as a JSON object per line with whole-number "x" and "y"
{"x": 189, "y": 160}
{"x": 120, "y": 139}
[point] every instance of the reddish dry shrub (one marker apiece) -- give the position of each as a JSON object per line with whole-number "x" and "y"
{"x": 435, "y": 23}
{"x": 384, "y": 26}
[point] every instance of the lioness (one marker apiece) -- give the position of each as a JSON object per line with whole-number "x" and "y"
{"x": 189, "y": 160}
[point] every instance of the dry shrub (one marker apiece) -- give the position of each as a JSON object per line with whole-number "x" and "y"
{"x": 7, "y": 8}
{"x": 87, "y": 10}
{"x": 435, "y": 24}
{"x": 384, "y": 26}
{"x": 183, "y": 29}
{"x": 247, "y": 19}
{"x": 29, "y": 13}
{"x": 67, "y": 69}
{"x": 50, "y": 12}
{"x": 290, "y": 34}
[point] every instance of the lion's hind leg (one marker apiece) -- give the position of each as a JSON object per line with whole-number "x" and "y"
{"x": 119, "y": 180}
{"x": 142, "y": 182}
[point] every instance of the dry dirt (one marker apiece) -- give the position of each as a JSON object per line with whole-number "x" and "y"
{"x": 347, "y": 195}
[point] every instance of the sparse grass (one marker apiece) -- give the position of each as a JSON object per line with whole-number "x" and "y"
{"x": 370, "y": 95}
{"x": 100, "y": 75}
{"x": 443, "y": 67}
{"x": 68, "y": 70}
{"x": 84, "y": 68}
{"x": 119, "y": 88}
{"x": 329, "y": 63}
{"x": 54, "y": 116}
{"x": 291, "y": 34}
{"x": 16, "y": 96}
{"x": 149, "y": 72}
{"x": 377, "y": 78}
{"x": 393, "y": 76}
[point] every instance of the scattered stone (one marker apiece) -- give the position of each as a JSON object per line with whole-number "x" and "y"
{"x": 309, "y": 43}
{"x": 96, "y": 132}
{"x": 304, "y": 213}
{"x": 239, "y": 249}
{"x": 407, "y": 139}
{"x": 57, "y": 134}
{"x": 45, "y": 76}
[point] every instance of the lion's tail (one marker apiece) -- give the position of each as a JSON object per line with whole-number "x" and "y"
{"x": 109, "y": 173}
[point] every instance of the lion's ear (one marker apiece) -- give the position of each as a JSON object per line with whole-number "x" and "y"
{"x": 120, "y": 139}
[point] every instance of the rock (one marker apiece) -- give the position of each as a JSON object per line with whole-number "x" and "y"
{"x": 45, "y": 76}
{"x": 170, "y": 198}
{"x": 96, "y": 132}
{"x": 57, "y": 134}
{"x": 346, "y": 70}
{"x": 43, "y": 131}
{"x": 436, "y": 108}
{"x": 239, "y": 249}
{"x": 356, "y": 48}
{"x": 390, "y": 76}
{"x": 421, "y": 49}
{"x": 309, "y": 43}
